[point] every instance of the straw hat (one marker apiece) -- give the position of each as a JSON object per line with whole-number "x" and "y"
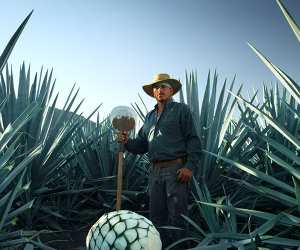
{"x": 159, "y": 78}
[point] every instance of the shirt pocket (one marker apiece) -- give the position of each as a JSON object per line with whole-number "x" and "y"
{"x": 170, "y": 125}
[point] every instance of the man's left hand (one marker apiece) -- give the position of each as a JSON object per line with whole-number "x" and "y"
{"x": 184, "y": 175}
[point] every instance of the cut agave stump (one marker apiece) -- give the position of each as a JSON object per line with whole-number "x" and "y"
{"x": 123, "y": 229}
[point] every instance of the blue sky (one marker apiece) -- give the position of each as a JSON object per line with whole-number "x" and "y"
{"x": 110, "y": 48}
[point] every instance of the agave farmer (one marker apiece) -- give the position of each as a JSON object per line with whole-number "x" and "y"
{"x": 169, "y": 136}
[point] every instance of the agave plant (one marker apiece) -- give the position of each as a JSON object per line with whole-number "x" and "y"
{"x": 50, "y": 131}
{"x": 281, "y": 115}
{"x": 276, "y": 178}
{"x": 94, "y": 153}
{"x": 12, "y": 174}
{"x": 74, "y": 155}
{"x": 12, "y": 179}
{"x": 209, "y": 122}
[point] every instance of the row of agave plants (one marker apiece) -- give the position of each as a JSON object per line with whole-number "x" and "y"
{"x": 35, "y": 139}
{"x": 247, "y": 189}
{"x": 58, "y": 168}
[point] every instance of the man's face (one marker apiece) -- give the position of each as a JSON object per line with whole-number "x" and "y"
{"x": 162, "y": 92}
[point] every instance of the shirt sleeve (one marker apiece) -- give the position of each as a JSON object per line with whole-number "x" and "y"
{"x": 193, "y": 143}
{"x": 138, "y": 145}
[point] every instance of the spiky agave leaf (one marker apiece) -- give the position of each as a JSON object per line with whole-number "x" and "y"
{"x": 12, "y": 182}
{"x": 294, "y": 26}
{"x": 284, "y": 219}
{"x": 286, "y": 81}
{"x": 257, "y": 173}
{"x": 279, "y": 127}
{"x": 9, "y": 47}
{"x": 215, "y": 111}
{"x": 297, "y": 191}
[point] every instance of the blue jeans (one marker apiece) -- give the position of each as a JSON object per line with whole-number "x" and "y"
{"x": 168, "y": 199}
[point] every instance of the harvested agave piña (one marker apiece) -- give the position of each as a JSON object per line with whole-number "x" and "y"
{"x": 122, "y": 230}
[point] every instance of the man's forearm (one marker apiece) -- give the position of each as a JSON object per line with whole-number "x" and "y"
{"x": 136, "y": 146}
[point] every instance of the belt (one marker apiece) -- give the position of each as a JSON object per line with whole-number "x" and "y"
{"x": 166, "y": 163}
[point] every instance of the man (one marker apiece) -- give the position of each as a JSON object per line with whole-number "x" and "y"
{"x": 170, "y": 138}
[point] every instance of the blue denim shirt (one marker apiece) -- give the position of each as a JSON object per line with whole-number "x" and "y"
{"x": 170, "y": 136}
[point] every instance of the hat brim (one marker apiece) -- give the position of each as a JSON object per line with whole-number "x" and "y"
{"x": 176, "y": 86}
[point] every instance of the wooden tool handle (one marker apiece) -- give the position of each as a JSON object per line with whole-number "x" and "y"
{"x": 119, "y": 180}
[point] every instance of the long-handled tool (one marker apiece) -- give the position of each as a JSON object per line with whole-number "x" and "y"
{"x": 123, "y": 119}
{"x": 120, "y": 176}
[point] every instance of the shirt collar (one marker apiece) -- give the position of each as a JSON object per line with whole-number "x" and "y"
{"x": 166, "y": 105}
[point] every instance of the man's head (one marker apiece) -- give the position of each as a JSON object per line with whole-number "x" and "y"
{"x": 162, "y": 91}
{"x": 162, "y": 87}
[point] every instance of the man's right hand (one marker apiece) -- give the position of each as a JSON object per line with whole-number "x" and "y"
{"x": 122, "y": 137}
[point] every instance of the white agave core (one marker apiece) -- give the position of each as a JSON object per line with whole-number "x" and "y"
{"x": 122, "y": 230}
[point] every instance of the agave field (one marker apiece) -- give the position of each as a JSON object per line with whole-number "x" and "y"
{"x": 58, "y": 169}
